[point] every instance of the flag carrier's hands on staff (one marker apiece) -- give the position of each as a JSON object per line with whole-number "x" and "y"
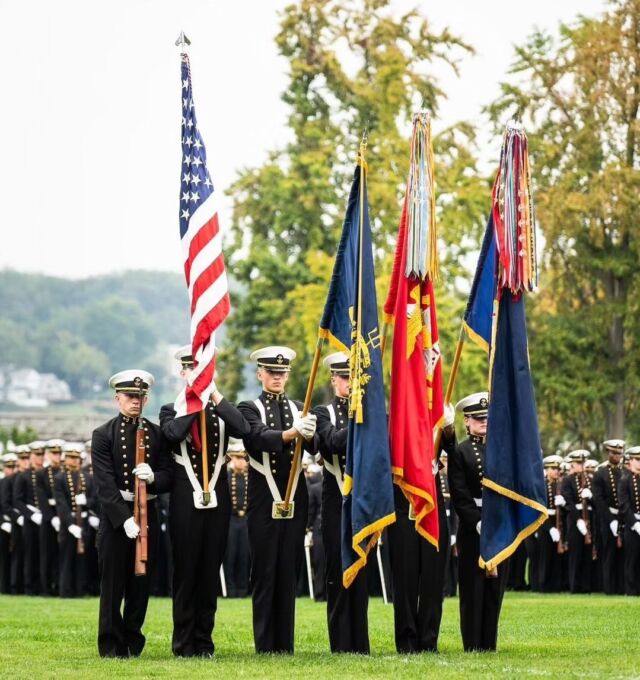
{"x": 285, "y": 509}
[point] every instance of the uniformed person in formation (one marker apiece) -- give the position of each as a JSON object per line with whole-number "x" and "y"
{"x": 276, "y": 534}
{"x": 198, "y": 515}
{"x": 236, "y": 561}
{"x": 17, "y": 520}
{"x": 9, "y": 465}
{"x": 75, "y": 496}
{"x": 576, "y": 489}
{"x": 25, "y": 498}
{"x": 629, "y": 500}
{"x": 607, "y": 508}
{"x": 113, "y": 448}
{"x": 480, "y": 593}
{"x": 451, "y": 569}
{"x": 418, "y": 568}
{"x": 346, "y": 607}
{"x": 551, "y": 533}
{"x": 92, "y": 583}
{"x": 49, "y": 563}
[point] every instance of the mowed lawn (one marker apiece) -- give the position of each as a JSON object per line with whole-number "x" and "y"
{"x": 540, "y": 636}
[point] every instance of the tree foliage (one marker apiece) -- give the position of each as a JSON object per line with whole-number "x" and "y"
{"x": 579, "y": 94}
{"x": 83, "y": 331}
{"x": 353, "y": 66}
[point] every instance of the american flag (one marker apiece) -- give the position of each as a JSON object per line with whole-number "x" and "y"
{"x": 202, "y": 250}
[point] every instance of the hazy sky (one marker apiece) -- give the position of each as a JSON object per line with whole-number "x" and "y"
{"x": 90, "y": 122}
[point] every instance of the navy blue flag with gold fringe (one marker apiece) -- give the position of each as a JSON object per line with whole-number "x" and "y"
{"x": 350, "y": 323}
{"x": 514, "y": 493}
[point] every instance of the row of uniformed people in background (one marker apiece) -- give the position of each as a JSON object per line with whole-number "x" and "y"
{"x": 49, "y": 517}
{"x": 49, "y": 521}
{"x": 591, "y": 540}
{"x": 199, "y": 519}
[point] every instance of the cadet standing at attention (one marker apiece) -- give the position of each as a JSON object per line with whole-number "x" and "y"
{"x": 113, "y": 449}
{"x": 275, "y": 537}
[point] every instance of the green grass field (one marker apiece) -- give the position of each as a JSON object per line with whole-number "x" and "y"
{"x": 540, "y": 636}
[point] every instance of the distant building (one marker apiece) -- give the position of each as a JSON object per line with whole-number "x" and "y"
{"x": 25, "y": 387}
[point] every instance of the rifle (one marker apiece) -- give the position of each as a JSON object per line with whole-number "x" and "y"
{"x": 588, "y": 539}
{"x": 561, "y": 547}
{"x": 140, "y": 499}
{"x": 80, "y": 542}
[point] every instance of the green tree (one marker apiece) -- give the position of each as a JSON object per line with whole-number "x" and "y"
{"x": 352, "y": 66}
{"x": 83, "y": 366}
{"x": 579, "y": 94}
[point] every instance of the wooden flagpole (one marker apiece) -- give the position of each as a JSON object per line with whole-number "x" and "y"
{"x": 305, "y": 409}
{"x": 205, "y": 457}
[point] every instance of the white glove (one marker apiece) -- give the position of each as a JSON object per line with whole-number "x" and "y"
{"x": 453, "y": 540}
{"x": 131, "y": 528}
{"x": 586, "y": 493}
{"x": 163, "y": 527}
{"x": 36, "y": 518}
{"x": 555, "y": 534}
{"x": 75, "y": 530}
{"x": 582, "y": 526}
{"x": 613, "y": 525}
{"x": 559, "y": 501}
{"x": 55, "y": 523}
{"x": 94, "y": 521}
{"x": 449, "y": 415}
{"x": 306, "y": 425}
{"x": 6, "y": 526}
{"x": 478, "y": 527}
{"x": 20, "y": 521}
{"x": 636, "y": 527}
{"x": 308, "y": 539}
{"x": 81, "y": 499}
{"x": 144, "y": 473}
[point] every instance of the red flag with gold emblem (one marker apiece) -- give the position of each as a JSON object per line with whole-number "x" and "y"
{"x": 416, "y": 403}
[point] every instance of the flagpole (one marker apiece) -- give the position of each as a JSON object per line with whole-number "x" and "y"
{"x": 450, "y": 384}
{"x": 205, "y": 457}
{"x": 305, "y": 409}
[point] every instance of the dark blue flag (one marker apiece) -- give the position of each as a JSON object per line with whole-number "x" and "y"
{"x": 350, "y": 322}
{"x": 514, "y": 493}
{"x": 478, "y": 317}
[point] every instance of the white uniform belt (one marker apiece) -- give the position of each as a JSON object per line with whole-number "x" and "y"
{"x": 551, "y": 512}
{"x": 183, "y": 459}
{"x": 334, "y": 466}
{"x": 32, "y": 508}
{"x": 448, "y": 513}
{"x": 579, "y": 507}
{"x": 264, "y": 468}
{"x": 478, "y": 502}
{"x": 52, "y": 501}
{"x": 130, "y": 496}
{"x": 637, "y": 515}
{"x": 613, "y": 511}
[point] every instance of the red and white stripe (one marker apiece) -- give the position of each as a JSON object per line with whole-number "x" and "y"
{"x": 209, "y": 297}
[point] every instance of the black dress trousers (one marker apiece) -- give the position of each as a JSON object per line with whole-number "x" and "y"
{"x": 418, "y": 575}
{"x": 276, "y": 545}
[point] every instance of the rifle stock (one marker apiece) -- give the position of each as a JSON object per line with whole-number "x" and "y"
{"x": 140, "y": 501}
{"x": 80, "y": 542}
{"x": 560, "y": 545}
